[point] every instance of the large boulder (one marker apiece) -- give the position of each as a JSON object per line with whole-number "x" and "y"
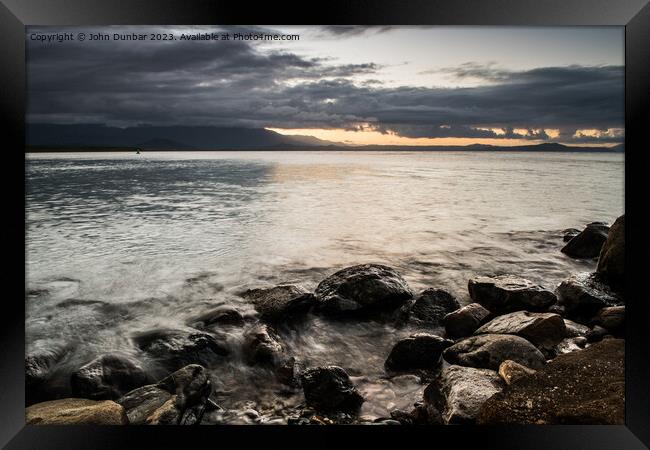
{"x": 488, "y": 351}
{"x": 506, "y": 293}
{"x": 459, "y": 392}
{"x": 588, "y": 243}
{"x": 174, "y": 349}
{"x": 430, "y": 306}
{"x": 329, "y": 389}
{"x": 262, "y": 346}
{"x": 76, "y": 411}
{"x": 107, "y": 377}
{"x": 419, "y": 351}
{"x": 611, "y": 262}
{"x": 281, "y": 303}
{"x": 583, "y": 387}
{"x": 180, "y": 398}
{"x": 466, "y": 320}
{"x": 361, "y": 290}
{"x": 584, "y": 294}
{"x": 542, "y": 329}
{"x": 217, "y": 317}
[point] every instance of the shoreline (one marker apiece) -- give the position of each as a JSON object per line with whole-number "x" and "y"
{"x": 513, "y": 330}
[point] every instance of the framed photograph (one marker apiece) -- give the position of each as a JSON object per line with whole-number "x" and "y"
{"x": 380, "y": 220}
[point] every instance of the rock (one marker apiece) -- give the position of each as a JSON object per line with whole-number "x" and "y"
{"x": 430, "y": 306}
{"x": 588, "y": 243}
{"x": 596, "y": 334}
{"x": 107, "y": 377}
{"x": 39, "y": 364}
{"x": 488, "y": 351}
{"x": 76, "y": 411}
{"x": 179, "y": 398}
{"x": 419, "y": 351}
{"x": 262, "y": 346}
{"x": 329, "y": 388}
{"x": 569, "y": 234}
{"x": 281, "y": 303}
{"x": 176, "y": 348}
{"x": 459, "y": 392}
{"x": 403, "y": 417}
{"x": 542, "y": 329}
{"x": 506, "y": 293}
{"x": 569, "y": 345}
{"x": 585, "y": 387}
{"x": 574, "y": 329}
{"x": 361, "y": 290}
{"x": 143, "y": 402}
{"x": 511, "y": 371}
{"x": 611, "y": 318}
{"x": 611, "y": 261}
{"x": 221, "y": 315}
{"x": 288, "y": 372}
{"x": 466, "y": 320}
{"x": 584, "y": 294}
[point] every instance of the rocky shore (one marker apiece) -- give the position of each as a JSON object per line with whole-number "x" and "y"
{"x": 519, "y": 353}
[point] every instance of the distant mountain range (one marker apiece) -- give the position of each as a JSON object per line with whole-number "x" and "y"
{"x": 48, "y": 137}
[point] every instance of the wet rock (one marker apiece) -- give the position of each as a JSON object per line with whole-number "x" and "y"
{"x": 585, "y": 387}
{"x": 181, "y": 398}
{"x": 596, "y": 334}
{"x": 574, "y": 329}
{"x": 288, "y": 372}
{"x": 506, "y": 293}
{"x": 588, "y": 243}
{"x": 611, "y": 318}
{"x": 222, "y": 315}
{"x": 361, "y": 290}
{"x": 459, "y": 392}
{"x": 39, "y": 364}
{"x": 511, "y": 371}
{"x": 176, "y": 348}
{"x": 611, "y": 261}
{"x": 569, "y": 345}
{"x": 329, "y": 388}
{"x": 107, "y": 377}
{"x": 584, "y": 294}
{"x": 488, "y": 351}
{"x": 430, "y": 306}
{"x": 281, "y": 303}
{"x": 403, "y": 417}
{"x": 466, "y": 320}
{"x": 542, "y": 329}
{"x": 262, "y": 346}
{"x": 76, "y": 411}
{"x": 569, "y": 234}
{"x": 419, "y": 351}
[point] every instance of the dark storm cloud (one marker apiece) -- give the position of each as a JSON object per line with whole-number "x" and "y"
{"x": 239, "y": 84}
{"x": 354, "y": 30}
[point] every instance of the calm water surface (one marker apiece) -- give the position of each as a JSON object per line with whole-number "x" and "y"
{"x": 150, "y": 240}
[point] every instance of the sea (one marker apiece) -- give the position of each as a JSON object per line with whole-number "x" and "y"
{"x": 122, "y": 243}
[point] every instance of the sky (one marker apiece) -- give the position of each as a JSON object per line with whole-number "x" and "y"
{"x": 356, "y": 85}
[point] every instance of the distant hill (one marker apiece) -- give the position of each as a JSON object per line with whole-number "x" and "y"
{"x": 47, "y": 137}
{"x": 162, "y": 138}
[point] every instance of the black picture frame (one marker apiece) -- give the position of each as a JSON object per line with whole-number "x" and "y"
{"x": 16, "y": 14}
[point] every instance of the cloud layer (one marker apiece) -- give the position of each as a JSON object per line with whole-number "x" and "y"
{"x": 243, "y": 84}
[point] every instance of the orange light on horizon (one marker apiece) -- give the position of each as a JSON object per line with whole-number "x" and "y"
{"x": 371, "y": 137}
